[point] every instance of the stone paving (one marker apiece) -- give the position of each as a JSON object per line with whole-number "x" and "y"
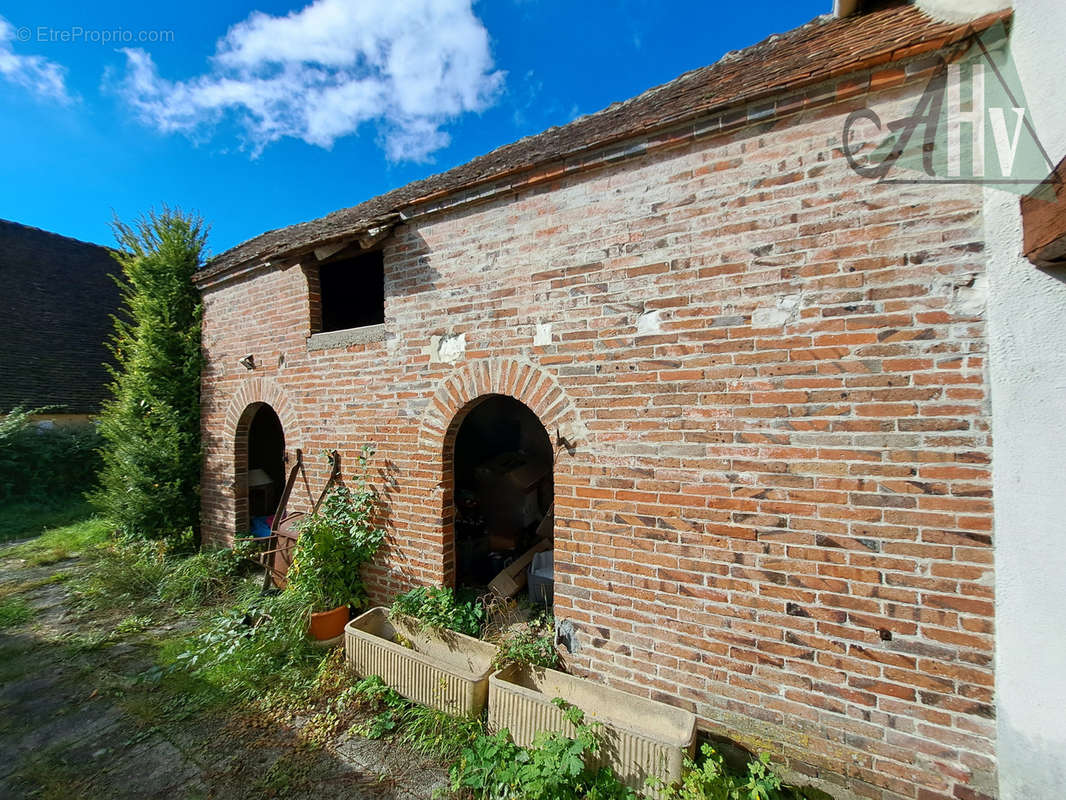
{"x": 76, "y": 721}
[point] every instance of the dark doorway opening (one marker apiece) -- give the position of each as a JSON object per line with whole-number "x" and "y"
{"x": 504, "y": 491}
{"x": 266, "y": 467}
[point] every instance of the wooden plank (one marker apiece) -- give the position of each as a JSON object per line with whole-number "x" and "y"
{"x": 1044, "y": 221}
{"x": 327, "y": 250}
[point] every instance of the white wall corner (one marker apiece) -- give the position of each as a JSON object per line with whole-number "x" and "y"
{"x": 844, "y": 8}
{"x": 961, "y": 10}
{"x": 1025, "y": 307}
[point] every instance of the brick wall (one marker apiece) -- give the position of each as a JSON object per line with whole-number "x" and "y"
{"x": 778, "y": 504}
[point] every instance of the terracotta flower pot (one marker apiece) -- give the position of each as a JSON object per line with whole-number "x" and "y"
{"x": 329, "y": 624}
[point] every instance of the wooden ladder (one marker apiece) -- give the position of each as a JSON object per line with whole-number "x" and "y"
{"x": 284, "y": 531}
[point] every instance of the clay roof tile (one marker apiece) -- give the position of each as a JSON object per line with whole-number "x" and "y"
{"x": 822, "y": 49}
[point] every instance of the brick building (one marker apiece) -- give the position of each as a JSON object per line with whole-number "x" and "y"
{"x": 755, "y": 380}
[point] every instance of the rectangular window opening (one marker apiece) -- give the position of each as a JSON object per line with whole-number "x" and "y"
{"x": 352, "y": 292}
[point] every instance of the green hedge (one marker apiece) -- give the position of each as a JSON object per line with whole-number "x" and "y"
{"x": 45, "y": 462}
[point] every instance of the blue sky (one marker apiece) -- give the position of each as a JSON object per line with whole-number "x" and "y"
{"x": 261, "y": 115}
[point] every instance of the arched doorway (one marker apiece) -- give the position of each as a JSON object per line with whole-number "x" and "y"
{"x": 503, "y": 488}
{"x": 264, "y": 471}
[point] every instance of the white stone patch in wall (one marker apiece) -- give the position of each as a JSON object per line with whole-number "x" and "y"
{"x": 447, "y": 349}
{"x": 542, "y": 336}
{"x": 650, "y": 322}
{"x": 785, "y": 310}
{"x": 968, "y": 300}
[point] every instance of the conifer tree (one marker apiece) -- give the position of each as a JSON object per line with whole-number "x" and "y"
{"x": 149, "y": 482}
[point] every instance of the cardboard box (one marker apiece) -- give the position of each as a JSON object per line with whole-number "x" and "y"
{"x": 513, "y": 579}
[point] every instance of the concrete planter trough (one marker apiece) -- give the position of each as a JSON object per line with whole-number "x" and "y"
{"x": 441, "y": 669}
{"x": 643, "y": 738}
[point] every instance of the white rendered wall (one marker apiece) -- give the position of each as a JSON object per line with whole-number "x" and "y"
{"x": 1027, "y": 331}
{"x": 961, "y": 10}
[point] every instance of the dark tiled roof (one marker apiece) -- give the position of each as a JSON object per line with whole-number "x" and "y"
{"x": 823, "y": 49}
{"x": 56, "y": 302}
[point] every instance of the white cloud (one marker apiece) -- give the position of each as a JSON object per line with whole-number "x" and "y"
{"x": 407, "y": 66}
{"x": 36, "y": 73}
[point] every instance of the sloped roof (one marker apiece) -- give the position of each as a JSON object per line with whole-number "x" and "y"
{"x": 55, "y": 307}
{"x": 822, "y": 49}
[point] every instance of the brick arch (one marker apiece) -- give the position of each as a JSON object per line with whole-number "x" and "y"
{"x": 253, "y": 393}
{"x": 526, "y": 382}
{"x": 263, "y": 390}
{"x": 456, "y": 396}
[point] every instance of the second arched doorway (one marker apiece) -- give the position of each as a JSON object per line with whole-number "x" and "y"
{"x": 503, "y": 487}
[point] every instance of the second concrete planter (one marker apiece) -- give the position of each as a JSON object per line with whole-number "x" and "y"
{"x": 438, "y": 668}
{"x": 642, "y": 738}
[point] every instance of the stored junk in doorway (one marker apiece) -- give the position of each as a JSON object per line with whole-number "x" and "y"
{"x": 503, "y": 488}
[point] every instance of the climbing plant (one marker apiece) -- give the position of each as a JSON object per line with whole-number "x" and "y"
{"x": 336, "y": 541}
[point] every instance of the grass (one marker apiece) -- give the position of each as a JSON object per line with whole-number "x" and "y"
{"x": 426, "y": 731}
{"x": 25, "y": 519}
{"x": 51, "y": 774}
{"x": 62, "y": 542}
{"x": 14, "y": 611}
{"x": 15, "y": 655}
{"x": 141, "y": 609}
{"x": 134, "y": 587}
{"x": 193, "y": 612}
{"x": 9, "y": 588}
{"x": 434, "y": 733}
